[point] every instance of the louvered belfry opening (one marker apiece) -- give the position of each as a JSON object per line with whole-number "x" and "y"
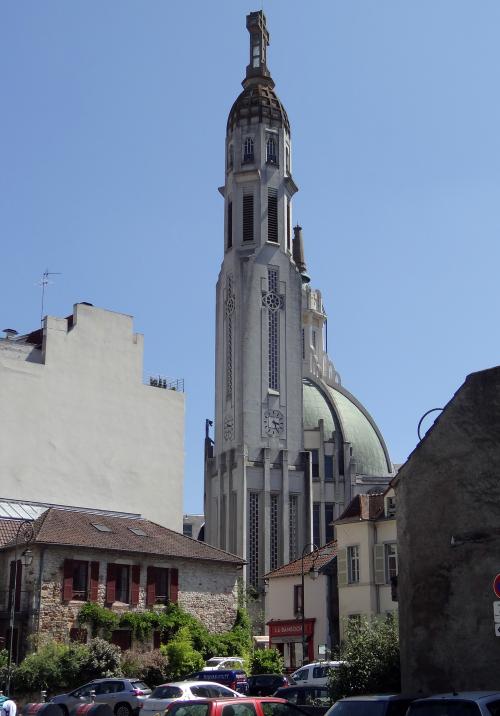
{"x": 272, "y": 215}
{"x": 248, "y": 217}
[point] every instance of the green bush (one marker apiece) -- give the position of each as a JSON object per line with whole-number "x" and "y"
{"x": 266, "y": 661}
{"x": 182, "y": 657}
{"x": 101, "y": 620}
{"x": 42, "y": 669}
{"x": 371, "y": 659}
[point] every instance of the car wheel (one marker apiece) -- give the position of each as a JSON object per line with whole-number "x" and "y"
{"x": 122, "y": 710}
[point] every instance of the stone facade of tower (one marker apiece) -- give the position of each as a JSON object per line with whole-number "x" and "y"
{"x": 257, "y": 476}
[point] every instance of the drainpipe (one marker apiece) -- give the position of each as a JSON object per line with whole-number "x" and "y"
{"x": 377, "y": 586}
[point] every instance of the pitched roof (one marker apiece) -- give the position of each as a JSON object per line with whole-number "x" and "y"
{"x": 324, "y": 556}
{"x": 8, "y": 529}
{"x": 78, "y": 529}
{"x": 363, "y": 507}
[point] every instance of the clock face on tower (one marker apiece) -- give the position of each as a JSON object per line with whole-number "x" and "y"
{"x": 274, "y": 422}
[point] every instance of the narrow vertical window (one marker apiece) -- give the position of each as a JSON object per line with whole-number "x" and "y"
{"x": 230, "y": 157}
{"x": 271, "y": 152}
{"x": 272, "y": 215}
{"x": 233, "y": 523}
{"x": 288, "y": 227}
{"x": 328, "y": 468}
{"x": 248, "y": 150}
{"x": 248, "y": 217}
{"x": 274, "y": 546}
{"x": 229, "y": 224}
{"x": 229, "y": 337}
{"x": 287, "y": 159}
{"x": 292, "y": 527}
{"x": 273, "y": 332}
{"x": 303, "y": 344}
{"x": 353, "y": 564}
{"x": 253, "y": 538}
{"x": 329, "y": 527}
{"x": 391, "y": 561}
{"x": 223, "y": 523}
{"x": 316, "y": 523}
{"x": 315, "y": 464}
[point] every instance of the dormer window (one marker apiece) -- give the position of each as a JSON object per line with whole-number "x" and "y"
{"x": 271, "y": 151}
{"x": 248, "y": 150}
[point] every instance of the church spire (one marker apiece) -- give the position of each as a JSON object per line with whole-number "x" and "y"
{"x": 259, "y": 40}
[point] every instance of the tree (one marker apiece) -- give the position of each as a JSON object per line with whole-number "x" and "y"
{"x": 370, "y": 656}
{"x": 266, "y": 661}
{"x": 182, "y": 658}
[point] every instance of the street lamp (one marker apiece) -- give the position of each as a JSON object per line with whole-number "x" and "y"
{"x": 25, "y": 534}
{"x": 313, "y": 575}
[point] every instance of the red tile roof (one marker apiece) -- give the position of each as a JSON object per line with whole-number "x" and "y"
{"x": 8, "y": 529}
{"x": 325, "y": 555}
{"x": 364, "y": 507}
{"x": 76, "y": 529}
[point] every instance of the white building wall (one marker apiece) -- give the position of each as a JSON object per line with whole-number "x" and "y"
{"x": 79, "y": 427}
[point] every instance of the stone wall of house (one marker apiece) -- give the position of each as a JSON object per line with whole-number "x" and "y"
{"x": 448, "y": 496}
{"x": 206, "y": 590}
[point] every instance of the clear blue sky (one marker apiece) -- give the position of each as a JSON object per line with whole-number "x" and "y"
{"x": 112, "y": 148}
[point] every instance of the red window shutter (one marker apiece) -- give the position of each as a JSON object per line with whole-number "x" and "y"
{"x": 68, "y": 580}
{"x": 151, "y": 587}
{"x": 134, "y": 590}
{"x": 111, "y": 583}
{"x": 174, "y": 586}
{"x": 94, "y": 581}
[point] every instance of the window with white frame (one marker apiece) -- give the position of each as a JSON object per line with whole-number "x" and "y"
{"x": 391, "y": 561}
{"x": 353, "y": 564}
{"x": 271, "y": 151}
{"x": 248, "y": 150}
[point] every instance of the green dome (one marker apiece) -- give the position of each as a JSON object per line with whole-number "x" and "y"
{"x": 337, "y": 407}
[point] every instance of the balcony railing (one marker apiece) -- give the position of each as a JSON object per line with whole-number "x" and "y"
{"x": 160, "y": 381}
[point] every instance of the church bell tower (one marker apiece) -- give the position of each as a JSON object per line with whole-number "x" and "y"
{"x": 257, "y": 475}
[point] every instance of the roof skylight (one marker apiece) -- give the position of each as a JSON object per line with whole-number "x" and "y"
{"x": 100, "y": 527}
{"x": 138, "y": 531}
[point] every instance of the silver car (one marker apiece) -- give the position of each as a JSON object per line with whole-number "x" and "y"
{"x": 184, "y": 691}
{"x": 123, "y": 695}
{"x": 464, "y": 703}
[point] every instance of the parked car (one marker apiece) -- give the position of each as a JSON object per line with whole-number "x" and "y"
{"x": 123, "y": 695}
{"x": 223, "y": 662}
{"x": 246, "y": 706}
{"x": 465, "y": 703}
{"x": 183, "y": 691}
{"x": 315, "y": 700}
{"x": 235, "y": 679}
{"x": 315, "y": 674}
{"x": 265, "y": 684}
{"x": 376, "y": 705}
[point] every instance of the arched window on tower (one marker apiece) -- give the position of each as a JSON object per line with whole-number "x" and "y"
{"x": 248, "y": 150}
{"x": 271, "y": 153}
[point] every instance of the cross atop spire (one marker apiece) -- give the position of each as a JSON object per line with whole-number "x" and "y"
{"x": 259, "y": 40}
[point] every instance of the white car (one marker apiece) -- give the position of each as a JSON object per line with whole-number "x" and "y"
{"x": 183, "y": 691}
{"x": 315, "y": 674}
{"x": 223, "y": 662}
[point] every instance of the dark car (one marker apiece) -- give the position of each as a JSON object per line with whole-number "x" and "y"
{"x": 123, "y": 695}
{"x": 376, "y": 705}
{"x": 265, "y": 684}
{"x": 313, "y": 700}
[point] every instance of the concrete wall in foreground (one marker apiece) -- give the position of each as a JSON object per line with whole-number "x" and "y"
{"x": 79, "y": 427}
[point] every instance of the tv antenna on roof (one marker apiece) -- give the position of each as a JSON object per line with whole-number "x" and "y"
{"x": 43, "y": 283}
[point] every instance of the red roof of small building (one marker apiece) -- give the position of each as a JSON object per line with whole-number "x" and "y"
{"x": 324, "y": 556}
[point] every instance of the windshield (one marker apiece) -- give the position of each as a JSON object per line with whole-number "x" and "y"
{"x": 358, "y": 708}
{"x": 445, "y": 708}
{"x": 213, "y": 662}
{"x": 166, "y": 692}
